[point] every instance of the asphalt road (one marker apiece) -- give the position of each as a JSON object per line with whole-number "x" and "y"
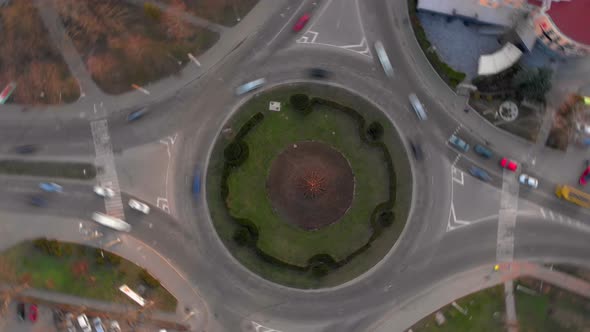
{"x": 238, "y": 300}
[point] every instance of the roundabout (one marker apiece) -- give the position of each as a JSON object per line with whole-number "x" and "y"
{"x": 308, "y": 189}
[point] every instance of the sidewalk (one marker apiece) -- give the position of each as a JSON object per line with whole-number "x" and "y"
{"x": 167, "y": 87}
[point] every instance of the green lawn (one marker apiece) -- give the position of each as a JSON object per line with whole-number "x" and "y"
{"x": 226, "y": 226}
{"x": 48, "y": 169}
{"x": 480, "y": 308}
{"x": 553, "y": 311}
{"x": 100, "y": 282}
{"x": 248, "y": 194}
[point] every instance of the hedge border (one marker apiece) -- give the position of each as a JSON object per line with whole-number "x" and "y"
{"x": 328, "y": 262}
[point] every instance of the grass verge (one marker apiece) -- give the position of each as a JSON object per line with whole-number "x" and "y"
{"x": 78, "y": 271}
{"x": 49, "y": 169}
{"x": 481, "y": 308}
{"x": 226, "y": 226}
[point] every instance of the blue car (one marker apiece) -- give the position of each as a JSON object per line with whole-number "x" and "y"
{"x": 480, "y": 174}
{"x": 50, "y": 187}
{"x": 38, "y": 201}
{"x": 136, "y": 115}
{"x": 458, "y": 143}
{"x": 484, "y": 152}
{"x": 197, "y": 184}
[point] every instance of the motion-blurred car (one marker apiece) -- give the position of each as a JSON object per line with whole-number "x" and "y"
{"x": 37, "y": 201}
{"x": 136, "y": 115}
{"x": 20, "y": 310}
{"x": 50, "y": 187}
{"x": 416, "y": 150}
{"x": 26, "y": 149}
{"x": 508, "y": 164}
{"x": 104, "y": 191}
{"x": 585, "y": 176}
{"x": 458, "y": 143}
{"x": 301, "y": 22}
{"x": 196, "y": 183}
{"x": 139, "y": 206}
{"x": 33, "y": 313}
{"x": 318, "y": 73}
{"x": 84, "y": 323}
{"x": 97, "y": 324}
{"x": 528, "y": 180}
{"x": 115, "y": 327}
{"x": 418, "y": 107}
{"x": 70, "y": 322}
{"x": 480, "y": 174}
{"x": 250, "y": 86}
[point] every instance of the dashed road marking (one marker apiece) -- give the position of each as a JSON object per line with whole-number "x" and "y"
{"x": 457, "y": 175}
{"x": 162, "y": 203}
{"x": 543, "y": 213}
{"x": 261, "y": 328}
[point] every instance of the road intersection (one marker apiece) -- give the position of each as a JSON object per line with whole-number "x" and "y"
{"x": 458, "y": 228}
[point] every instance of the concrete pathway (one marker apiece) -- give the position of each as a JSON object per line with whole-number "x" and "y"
{"x": 62, "y": 41}
{"x": 511, "y": 320}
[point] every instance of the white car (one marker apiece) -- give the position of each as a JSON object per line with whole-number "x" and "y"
{"x": 84, "y": 323}
{"x": 115, "y": 326}
{"x": 139, "y": 206}
{"x": 528, "y": 180}
{"x": 104, "y": 191}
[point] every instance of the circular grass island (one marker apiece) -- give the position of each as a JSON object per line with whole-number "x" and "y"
{"x": 311, "y": 195}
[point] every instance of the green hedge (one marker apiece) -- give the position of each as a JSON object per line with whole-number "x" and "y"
{"x": 448, "y": 74}
{"x": 382, "y": 216}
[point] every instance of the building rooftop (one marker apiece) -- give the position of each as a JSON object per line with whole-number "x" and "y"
{"x": 571, "y": 18}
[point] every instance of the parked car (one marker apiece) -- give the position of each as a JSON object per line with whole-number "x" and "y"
{"x": 70, "y": 322}
{"x": 480, "y": 174}
{"x": 136, "y": 115}
{"x": 508, "y": 164}
{"x": 484, "y": 152}
{"x": 418, "y": 107}
{"x": 318, "y": 73}
{"x": 528, "y": 180}
{"x": 253, "y": 85}
{"x": 58, "y": 317}
{"x": 139, "y": 206}
{"x": 301, "y": 22}
{"x": 458, "y": 143}
{"x": 33, "y": 313}
{"x": 585, "y": 176}
{"x": 84, "y": 323}
{"x": 26, "y": 149}
{"x": 97, "y": 324}
{"x": 104, "y": 191}
{"x": 416, "y": 150}
{"x": 20, "y": 310}
{"x": 38, "y": 201}
{"x": 114, "y": 326}
{"x": 50, "y": 187}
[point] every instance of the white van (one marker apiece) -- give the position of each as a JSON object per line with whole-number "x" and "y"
{"x": 418, "y": 107}
{"x": 111, "y": 222}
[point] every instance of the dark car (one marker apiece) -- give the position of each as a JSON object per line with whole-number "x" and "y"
{"x": 484, "y": 152}
{"x": 416, "y": 150}
{"x": 20, "y": 310}
{"x": 196, "y": 183}
{"x": 318, "y": 73}
{"x": 136, "y": 115}
{"x": 37, "y": 201}
{"x": 26, "y": 149}
{"x": 480, "y": 174}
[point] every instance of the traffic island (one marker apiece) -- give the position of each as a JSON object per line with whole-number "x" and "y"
{"x": 313, "y": 193}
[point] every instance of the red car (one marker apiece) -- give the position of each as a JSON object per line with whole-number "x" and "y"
{"x": 33, "y": 313}
{"x": 585, "y": 176}
{"x": 301, "y": 22}
{"x": 509, "y": 164}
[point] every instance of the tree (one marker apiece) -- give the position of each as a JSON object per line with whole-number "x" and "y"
{"x": 236, "y": 152}
{"x": 532, "y": 83}
{"x": 386, "y": 218}
{"x": 300, "y": 102}
{"x": 242, "y": 236}
{"x": 174, "y": 23}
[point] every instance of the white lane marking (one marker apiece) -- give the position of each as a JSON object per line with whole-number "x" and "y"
{"x": 457, "y": 175}
{"x": 543, "y": 213}
{"x": 162, "y": 203}
{"x": 261, "y": 328}
{"x": 551, "y": 215}
{"x": 456, "y": 160}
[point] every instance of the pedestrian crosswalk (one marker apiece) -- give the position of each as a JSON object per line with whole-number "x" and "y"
{"x": 105, "y": 163}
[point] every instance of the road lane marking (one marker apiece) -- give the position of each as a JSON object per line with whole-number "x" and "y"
{"x": 543, "y": 213}
{"x": 261, "y": 328}
{"x": 460, "y": 179}
{"x": 286, "y": 24}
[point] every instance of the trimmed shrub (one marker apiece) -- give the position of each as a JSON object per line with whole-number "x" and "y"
{"x": 152, "y": 11}
{"x": 242, "y": 236}
{"x": 301, "y": 103}
{"x": 236, "y": 152}
{"x": 386, "y": 218}
{"x": 50, "y": 247}
{"x": 251, "y": 123}
{"x": 375, "y": 131}
{"x": 147, "y": 278}
{"x": 319, "y": 270}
